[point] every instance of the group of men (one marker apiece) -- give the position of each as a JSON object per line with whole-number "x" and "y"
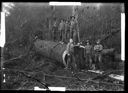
{"x": 65, "y": 30}
{"x": 68, "y": 30}
{"x": 89, "y": 51}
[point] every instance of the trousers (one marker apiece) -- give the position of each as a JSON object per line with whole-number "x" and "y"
{"x": 71, "y": 62}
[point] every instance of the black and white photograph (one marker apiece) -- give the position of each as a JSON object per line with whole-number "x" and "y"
{"x": 62, "y": 46}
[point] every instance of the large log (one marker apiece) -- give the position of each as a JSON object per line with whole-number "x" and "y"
{"x": 108, "y": 51}
{"x": 53, "y": 50}
{"x": 56, "y": 51}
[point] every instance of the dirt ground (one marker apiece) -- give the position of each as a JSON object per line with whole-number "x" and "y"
{"x": 48, "y": 72}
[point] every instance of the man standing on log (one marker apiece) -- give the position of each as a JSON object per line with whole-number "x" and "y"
{"x": 74, "y": 29}
{"x": 67, "y": 30}
{"x": 98, "y": 49}
{"x": 71, "y": 57}
{"x": 54, "y": 30}
{"x": 61, "y": 30}
{"x": 87, "y": 54}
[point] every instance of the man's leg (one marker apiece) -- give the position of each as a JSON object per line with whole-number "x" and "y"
{"x": 100, "y": 61}
{"x": 74, "y": 66}
{"x": 56, "y": 32}
{"x": 85, "y": 63}
{"x": 77, "y": 62}
{"x": 68, "y": 35}
{"x": 65, "y": 36}
{"x": 96, "y": 63}
{"x": 60, "y": 35}
{"x": 90, "y": 61}
{"x": 68, "y": 62}
{"x": 72, "y": 62}
{"x": 57, "y": 36}
{"x": 74, "y": 37}
{"x": 53, "y": 35}
{"x": 71, "y": 33}
{"x": 93, "y": 62}
{"x": 95, "y": 58}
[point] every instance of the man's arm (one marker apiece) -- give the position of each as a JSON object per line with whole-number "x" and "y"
{"x": 91, "y": 49}
{"x": 95, "y": 47}
{"x": 84, "y": 51}
{"x": 101, "y": 47}
{"x": 67, "y": 47}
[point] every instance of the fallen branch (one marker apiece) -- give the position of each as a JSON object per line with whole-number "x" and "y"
{"x": 14, "y": 58}
{"x": 44, "y": 84}
{"x": 20, "y": 56}
{"x": 106, "y": 74}
{"x": 28, "y": 76}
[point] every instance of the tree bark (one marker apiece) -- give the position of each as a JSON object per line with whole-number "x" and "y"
{"x": 53, "y": 50}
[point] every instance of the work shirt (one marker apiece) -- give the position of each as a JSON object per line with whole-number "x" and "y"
{"x": 73, "y": 25}
{"x": 61, "y": 26}
{"x": 54, "y": 27}
{"x": 55, "y": 24}
{"x": 66, "y": 26}
{"x": 98, "y": 48}
{"x": 70, "y": 47}
{"x": 88, "y": 49}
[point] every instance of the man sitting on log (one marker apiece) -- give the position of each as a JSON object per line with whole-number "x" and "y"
{"x": 71, "y": 57}
{"x": 98, "y": 55}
